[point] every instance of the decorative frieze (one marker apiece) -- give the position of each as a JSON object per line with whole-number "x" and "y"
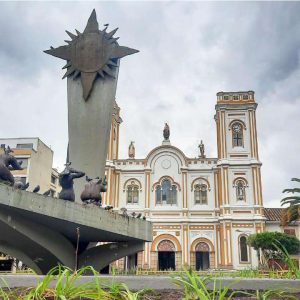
{"x": 168, "y": 227}
{"x": 242, "y": 225}
{"x": 201, "y": 227}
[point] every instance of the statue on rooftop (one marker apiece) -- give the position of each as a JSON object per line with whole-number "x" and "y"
{"x": 166, "y": 132}
{"x": 93, "y": 189}
{"x": 66, "y": 178}
{"x": 8, "y": 163}
{"x": 202, "y": 150}
{"x": 131, "y": 150}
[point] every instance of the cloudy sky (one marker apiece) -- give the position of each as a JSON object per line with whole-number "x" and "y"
{"x": 188, "y": 52}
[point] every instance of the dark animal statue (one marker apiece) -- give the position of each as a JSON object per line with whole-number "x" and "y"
{"x": 66, "y": 178}
{"x": 92, "y": 191}
{"x": 8, "y": 163}
{"x": 47, "y": 193}
{"x": 36, "y": 189}
{"x": 21, "y": 186}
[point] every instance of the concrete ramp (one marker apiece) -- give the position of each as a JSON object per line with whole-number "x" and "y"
{"x": 43, "y": 232}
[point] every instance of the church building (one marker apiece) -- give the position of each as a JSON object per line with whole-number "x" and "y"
{"x": 202, "y": 209}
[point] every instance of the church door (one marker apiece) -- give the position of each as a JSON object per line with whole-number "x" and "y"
{"x": 202, "y": 256}
{"x": 166, "y": 260}
{"x": 202, "y": 260}
{"x": 166, "y": 255}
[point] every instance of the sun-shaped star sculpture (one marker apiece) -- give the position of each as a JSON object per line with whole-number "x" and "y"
{"x": 91, "y": 54}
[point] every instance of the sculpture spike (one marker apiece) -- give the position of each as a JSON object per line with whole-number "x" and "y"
{"x": 113, "y": 40}
{"x": 109, "y": 72}
{"x": 69, "y": 72}
{"x": 76, "y": 74}
{"x": 71, "y": 35}
{"x": 121, "y": 51}
{"x": 62, "y": 52}
{"x": 100, "y": 72}
{"x": 78, "y": 32}
{"x": 87, "y": 81}
{"x": 68, "y": 64}
{"x": 92, "y": 24}
{"x": 105, "y": 27}
{"x": 110, "y": 34}
{"x": 68, "y": 42}
{"x": 112, "y": 63}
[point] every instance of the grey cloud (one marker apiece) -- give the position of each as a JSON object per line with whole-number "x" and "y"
{"x": 189, "y": 52}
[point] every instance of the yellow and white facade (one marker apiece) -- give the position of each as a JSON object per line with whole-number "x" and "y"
{"x": 202, "y": 208}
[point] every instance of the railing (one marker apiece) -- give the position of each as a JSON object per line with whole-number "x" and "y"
{"x": 246, "y": 273}
{"x": 19, "y": 272}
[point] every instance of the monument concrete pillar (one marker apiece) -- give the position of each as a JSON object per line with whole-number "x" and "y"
{"x": 93, "y": 59}
{"x": 89, "y": 124}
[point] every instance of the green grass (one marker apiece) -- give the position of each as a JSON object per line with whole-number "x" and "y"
{"x": 62, "y": 283}
{"x": 196, "y": 287}
{"x": 199, "y": 288}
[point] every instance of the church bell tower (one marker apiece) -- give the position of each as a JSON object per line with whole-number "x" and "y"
{"x": 238, "y": 169}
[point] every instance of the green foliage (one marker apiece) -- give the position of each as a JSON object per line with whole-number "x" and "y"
{"x": 292, "y": 212}
{"x": 62, "y": 283}
{"x": 271, "y": 294}
{"x": 266, "y": 241}
{"x": 196, "y": 287}
{"x": 292, "y": 265}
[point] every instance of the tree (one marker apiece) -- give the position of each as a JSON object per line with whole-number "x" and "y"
{"x": 268, "y": 243}
{"x": 292, "y": 212}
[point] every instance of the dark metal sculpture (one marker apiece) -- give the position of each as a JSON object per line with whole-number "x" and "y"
{"x": 36, "y": 189}
{"x": 109, "y": 207}
{"x": 166, "y": 132}
{"x": 47, "y": 193}
{"x": 21, "y": 186}
{"x": 8, "y": 163}
{"x": 91, "y": 53}
{"x": 202, "y": 150}
{"x": 66, "y": 178}
{"x": 92, "y": 191}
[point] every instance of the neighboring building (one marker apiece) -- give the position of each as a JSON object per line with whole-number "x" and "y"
{"x": 274, "y": 218}
{"x": 202, "y": 208}
{"x": 37, "y": 160}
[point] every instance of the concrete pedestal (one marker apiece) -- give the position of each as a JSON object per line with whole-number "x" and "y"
{"x": 89, "y": 124}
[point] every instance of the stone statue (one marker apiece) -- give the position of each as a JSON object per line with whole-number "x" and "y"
{"x": 202, "y": 150}
{"x": 66, "y": 178}
{"x": 131, "y": 150}
{"x": 93, "y": 189}
{"x": 8, "y": 163}
{"x": 166, "y": 132}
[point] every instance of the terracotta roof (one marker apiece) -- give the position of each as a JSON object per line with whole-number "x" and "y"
{"x": 273, "y": 214}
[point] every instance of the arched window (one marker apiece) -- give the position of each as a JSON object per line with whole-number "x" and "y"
{"x": 200, "y": 194}
{"x": 166, "y": 245}
{"x": 166, "y": 193}
{"x": 237, "y": 135}
{"x": 244, "y": 255}
{"x": 132, "y": 194}
{"x": 240, "y": 190}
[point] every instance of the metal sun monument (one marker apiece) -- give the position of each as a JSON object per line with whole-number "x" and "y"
{"x": 92, "y": 72}
{"x": 91, "y": 53}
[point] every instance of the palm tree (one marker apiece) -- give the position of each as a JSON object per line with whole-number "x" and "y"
{"x": 292, "y": 212}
